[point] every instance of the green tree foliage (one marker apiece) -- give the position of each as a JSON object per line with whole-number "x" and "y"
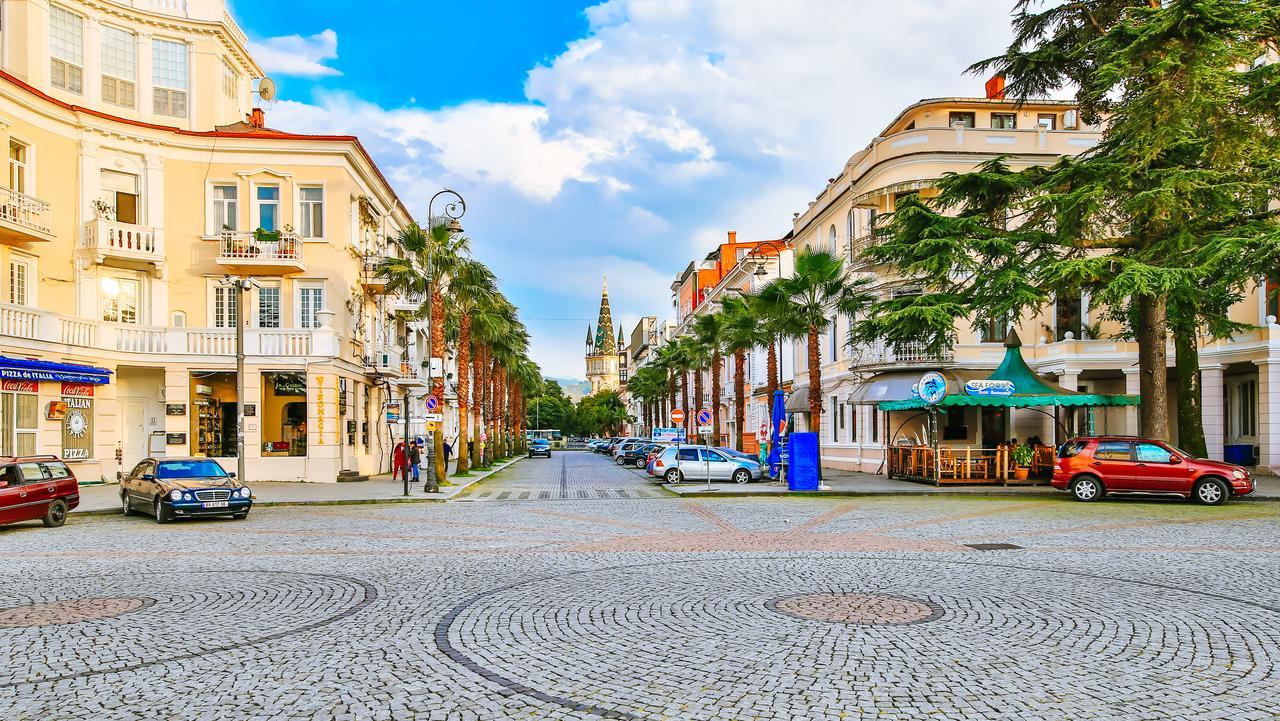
{"x": 1168, "y": 214}
{"x": 603, "y": 414}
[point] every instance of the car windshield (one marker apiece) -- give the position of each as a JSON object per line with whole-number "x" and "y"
{"x": 190, "y": 469}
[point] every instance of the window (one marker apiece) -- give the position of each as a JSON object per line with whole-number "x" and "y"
{"x": 1113, "y": 451}
{"x": 833, "y": 340}
{"x": 831, "y": 239}
{"x": 687, "y": 455}
{"x": 1151, "y": 453}
{"x": 119, "y": 66}
{"x": 224, "y": 306}
{"x": 875, "y": 425}
{"x": 1071, "y": 449}
{"x": 966, "y": 120}
{"x": 269, "y": 306}
{"x": 1242, "y": 406}
{"x": 1047, "y": 120}
{"x": 178, "y": 319}
{"x": 66, "y": 50}
{"x": 993, "y": 330}
{"x": 284, "y": 414}
{"x": 310, "y": 300}
{"x": 169, "y": 76}
{"x": 1004, "y": 121}
{"x": 1272, "y": 290}
{"x": 230, "y": 81}
{"x": 19, "y": 413}
{"x": 18, "y": 166}
{"x": 120, "y": 191}
{"x": 268, "y": 207}
{"x": 1068, "y": 316}
{"x": 120, "y": 299}
{"x": 20, "y": 276}
{"x": 849, "y": 231}
{"x": 311, "y": 219}
{"x": 226, "y": 207}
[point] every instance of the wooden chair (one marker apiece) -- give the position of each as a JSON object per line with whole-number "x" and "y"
{"x": 948, "y": 465}
{"x": 1043, "y": 460}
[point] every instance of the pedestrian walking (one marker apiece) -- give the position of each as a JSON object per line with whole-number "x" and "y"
{"x": 448, "y": 451}
{"x": 415, "y": 459}
{"x": 397, "y": 461}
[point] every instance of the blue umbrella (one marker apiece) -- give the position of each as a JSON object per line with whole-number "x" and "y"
{"x": 776, "y": 417}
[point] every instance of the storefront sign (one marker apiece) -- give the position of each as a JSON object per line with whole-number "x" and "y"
{"x": 290, "y": 384}
{"x": 668, "y": 435}
{"x": 175, "y": 439}
{"x": 988, "y": 388}
{"x": 77, "y": 428}
{"x": 56, "y": 411}
{"x": 20, "y": 386}
{"x": 250, "y": 410}
{"x": 393, "y": 412}
{"x": 77, "y": 389}
{"x": 932, "y": 387}
{"x": 175, "y": 409}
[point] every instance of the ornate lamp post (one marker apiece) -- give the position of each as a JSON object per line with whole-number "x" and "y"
{"x": 454, "y": 208}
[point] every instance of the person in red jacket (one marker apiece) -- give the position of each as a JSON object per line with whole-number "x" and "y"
{"x": 397, "y": 461}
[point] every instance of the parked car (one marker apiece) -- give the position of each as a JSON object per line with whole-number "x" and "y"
{"x": 625, "y": 445}
{"x": 738, "y": 454}
{"x": 170, "y": 488}
{"x": 605, "y": 445}
{"x": 636, "y": 454}
{"x": 34, "y": 487}
{"x": 697, "y": 463}
{"x": 539, "y": 447}
{"x": 1091, "y": 468}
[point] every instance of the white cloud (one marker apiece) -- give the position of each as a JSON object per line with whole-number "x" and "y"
{"x": 297, "y": 55}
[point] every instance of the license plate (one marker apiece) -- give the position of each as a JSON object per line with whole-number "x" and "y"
{"x": 214, "y": 504}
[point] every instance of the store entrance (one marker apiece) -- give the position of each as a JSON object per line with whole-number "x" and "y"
{"x": 213, "y": 414}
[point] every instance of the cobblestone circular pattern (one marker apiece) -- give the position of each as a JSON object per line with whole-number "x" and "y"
{"x": 74, "y": 610}
{"x": 184, "y": 616}
{"x": 698, "y": 638}
{"x": 870, "y": 609}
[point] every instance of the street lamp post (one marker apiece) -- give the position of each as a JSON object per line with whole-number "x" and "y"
{"x": 454, "y": 209}
{"x": 760, "y": 272}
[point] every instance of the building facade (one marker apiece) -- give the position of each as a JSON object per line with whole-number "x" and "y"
{"x": 604, "y": 355}
{"x": 1068, "y": 341}
{"x": 142, "y": 184}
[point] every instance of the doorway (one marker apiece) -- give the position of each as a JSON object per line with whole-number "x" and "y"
{"x": 995, "y": 426}
{"x": 141, "y": 409}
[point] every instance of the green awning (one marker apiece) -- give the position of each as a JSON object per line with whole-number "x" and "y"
{"x": 1030, "y": 389}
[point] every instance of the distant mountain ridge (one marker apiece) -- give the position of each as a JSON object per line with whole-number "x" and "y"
{"x": 575, "y": 388}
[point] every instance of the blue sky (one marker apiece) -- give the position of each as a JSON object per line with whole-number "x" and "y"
{"x": 622, "y": 137}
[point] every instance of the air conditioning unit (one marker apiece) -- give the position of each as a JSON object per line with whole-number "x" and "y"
{"x": 1071, "y": 120}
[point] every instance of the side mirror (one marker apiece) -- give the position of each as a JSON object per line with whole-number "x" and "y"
{"x": 148, "y": 477}
{"x": 231, "y": 474}
{"x": 1175, "y": 459}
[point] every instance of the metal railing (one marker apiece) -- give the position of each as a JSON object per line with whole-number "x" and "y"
{"x": 25, "y": 211}
{"x": 909, "y": 353}
{"x": 248, "y": 247}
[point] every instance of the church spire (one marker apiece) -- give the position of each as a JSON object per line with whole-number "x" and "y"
{"x": 605, "y": 343}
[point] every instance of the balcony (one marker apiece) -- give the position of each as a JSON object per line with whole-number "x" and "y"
{"x": 126, "y": 245}
{"x": 24, "y": 219}
{"x": 408, "y": 302}
{"x": 278, "y": 253}
{"x": 902, "y": 355}
{"x": 387, "y": 361}
{"x": 369, "y": 277}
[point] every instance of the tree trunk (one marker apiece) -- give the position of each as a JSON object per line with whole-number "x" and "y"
{"x": 1152, "y": 335}
{"x": 671, "y": 393}
{"x": 464, "y": 387}
{"x": 477, "y": 402}
{"x": 815, "y": 384}
{"x": 716, "y": 363}
{"x": 437, "y": 384}
{"x": 775, "y": 372}
{"x": 1190, "y": 413}
{"x": 739, "y": 395}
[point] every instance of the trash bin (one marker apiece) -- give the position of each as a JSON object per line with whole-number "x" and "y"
{"x": 1240, "y": 454}
{"x": 802, "y": 452}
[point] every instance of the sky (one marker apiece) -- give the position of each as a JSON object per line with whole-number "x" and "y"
{"x": 622, "y": 138}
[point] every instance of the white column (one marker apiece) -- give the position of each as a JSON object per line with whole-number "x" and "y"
{"x": 145, "y": 84}
{"x": 1212, "y": 409}
{"x": 1268, "y": 414}
{"x": 92, "y": 64}
{"x": 1068, "y": 378}
{"x": 1131, "y": 415}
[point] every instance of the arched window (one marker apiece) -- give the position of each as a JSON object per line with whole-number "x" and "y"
{"x": 848, "y": 231}
{"x": 831, "y": 240}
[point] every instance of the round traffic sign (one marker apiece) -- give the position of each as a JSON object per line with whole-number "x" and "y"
{"x": 677, "y": 415}
{"x": 704, "y": 416}
{"x": 432, "y": 404}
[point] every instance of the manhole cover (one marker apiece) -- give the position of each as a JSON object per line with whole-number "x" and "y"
{"x": 75, "y": 610}
{"x": 867, "y": 609}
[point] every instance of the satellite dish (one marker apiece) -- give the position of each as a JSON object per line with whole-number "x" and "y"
{"x": 267, "y": 89}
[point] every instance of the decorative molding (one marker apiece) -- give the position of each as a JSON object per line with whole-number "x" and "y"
{"x": 246, "y": 174}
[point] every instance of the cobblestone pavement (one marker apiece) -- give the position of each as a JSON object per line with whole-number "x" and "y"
{"x": 647, "y": 609}
{"x": 577, "y": 475}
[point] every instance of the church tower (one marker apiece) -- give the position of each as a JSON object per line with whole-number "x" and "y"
{"x": 602, "y": 349}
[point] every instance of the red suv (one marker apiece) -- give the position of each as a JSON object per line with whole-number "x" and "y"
{"x": 1093, "y": 467}
{"x": 34, "y": 487}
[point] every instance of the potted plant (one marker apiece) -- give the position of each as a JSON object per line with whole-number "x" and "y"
{"x": 1021, "y": 456}
{"x": 104, "y": 210}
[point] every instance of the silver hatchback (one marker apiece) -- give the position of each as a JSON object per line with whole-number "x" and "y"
{"x": 700, "y": 463}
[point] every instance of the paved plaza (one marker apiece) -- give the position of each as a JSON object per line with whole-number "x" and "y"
{"x": 585, "y": 592}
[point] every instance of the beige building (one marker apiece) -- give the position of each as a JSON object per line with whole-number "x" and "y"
{"x": 140, "y": 178}
{"x": 1068, "y": 341}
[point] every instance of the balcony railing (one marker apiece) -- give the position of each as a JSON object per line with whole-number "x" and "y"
{"x": 408, "y": 302}
{"x": 28, "y": 216}
{"x": 279, "y": 250}
{"x": 912, "y": 353}
{"x": 111, "y": 239}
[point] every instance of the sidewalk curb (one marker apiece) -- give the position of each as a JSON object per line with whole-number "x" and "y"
{"x": 939, "y": 494}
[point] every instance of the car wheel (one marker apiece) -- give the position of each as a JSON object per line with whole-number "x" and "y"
{"x": 619, "y": 460}
{"x": 1087, "y": 488}
{"x": 162, "y": 516}
{"x": 742, "y": 475}
{"x": 56, "y": 515}
{"x": 673, "y": 476}
{"x": 1211, "y": 492}
{"x": 125, "y": 507}
{"x": 640, "y": 463}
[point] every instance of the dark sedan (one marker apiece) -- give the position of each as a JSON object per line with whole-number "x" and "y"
{"x": 170, "y": 488}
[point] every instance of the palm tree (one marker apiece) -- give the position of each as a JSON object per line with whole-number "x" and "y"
{"x": 706, "y": 329}
{"x": 816, "y": 290}
{"x": 490, "y": 322}
{"x": 741, "y": 330}
{"x": 471, "y": 286}
{"x": 669, "y": 360}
